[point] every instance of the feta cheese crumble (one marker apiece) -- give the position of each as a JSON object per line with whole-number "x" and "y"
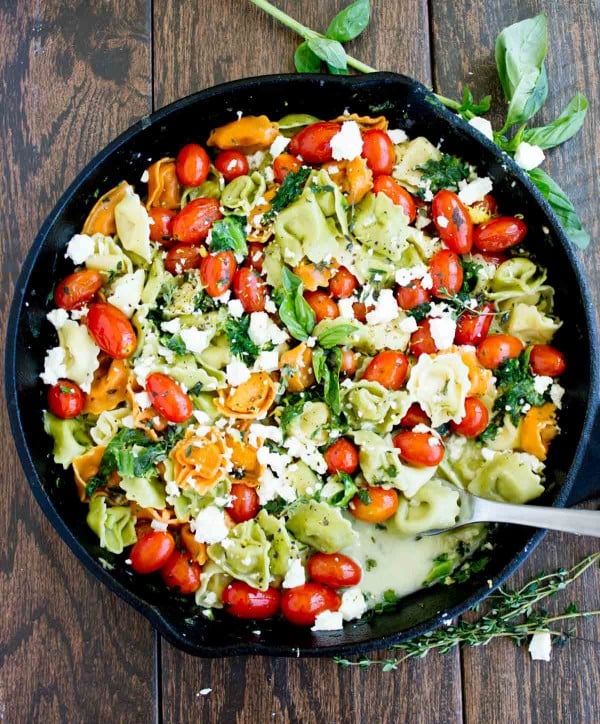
{"x": 57, "y": 317}
{"x": 353, "y": 604}
{"x": 237, "y": 372}
{"x": 470, "y": 192}
{"x": 295, "y": 575}
{"x": 262, "y": 330}
{"x": 209, "y": 525}
{"x": 196, "y": 340}
{"x": 80, "y": 248}
{"x": 328, "y": 621}
{"x": 528, "y": 157}
{"x": 54, "y": 366}
{"x": 397, "y": 135}
{"x": 386, "y": 308}
{"x": 540, "y": 646}
{"x": 278, "y": 146}
{"x": 541, "y": 383}
{"x": 483, "y": 126}
{"x": 347, "y": 143}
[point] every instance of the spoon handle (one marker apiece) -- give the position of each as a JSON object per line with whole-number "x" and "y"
{"x": 580, "y": 522}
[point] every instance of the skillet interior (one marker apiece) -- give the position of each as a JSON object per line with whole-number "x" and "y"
{"x": 408, "y": 105}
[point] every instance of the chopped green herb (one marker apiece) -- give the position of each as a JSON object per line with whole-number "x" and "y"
{"x": 342, "y": 498}
{"x": 370, "y": 564}
{"x": 442, "y": 174}
{"x": 239, "y": 340}
{"x": 363, "y": 496}
{"x": 288, "y": 192}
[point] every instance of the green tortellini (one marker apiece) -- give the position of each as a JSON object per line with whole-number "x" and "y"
{"x": 440, "y": 385}
{"x": 320, "y": 526}
{"x": 158, "y": 282}
{"x": 272, "y": 264}
{"x": 462, "y": 460}
{"x": 70, "y": 439}
{"x": 371, "y": 338}
{"x": 240, "y": 195}
{"x": 330, "y": 199}
{"x": 147, "y": 492}
{"x": 244, "y": 554}
{"x": 283, "y": 547}
{"x": 381, "y": 226}
{"x": 108, "y": 256}
{"x": 310, "y": 426}
{"x": 302, "y": 478}
{"x": 410, "y": 155}
{"x": 508, "y": 436}
{"x": 189, "y": 503}
{"x": 114, "y": 526}
{"x": 530, "y": 325}
{"x": 435, "y": 505}
{"x": 368, "y": 404}
{"x": 211, "y": 188}
{"x": 518, "y": 280}
{"x": 506, "y": 478}
{"x": 365, "y": 265}
{"x": 133, "y": 226}
{"x": 81, "y": 353}
{"x": 213, "y": 582}
{"x": 290, "y": 124}
{"x": 216, "y": 356}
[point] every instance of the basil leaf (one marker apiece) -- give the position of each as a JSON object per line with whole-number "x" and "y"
{"x": 305, "y": 60}
{"x": 331, "y": 386}
{"x": 337, "y": 71}
{"x": 342, "y": 498}
{"x": 336, "y": 335}
{"x": 564, "y": 127}
{"x": 520, "y": 52}
{"x": 468, "y": 105}
{"x": 329, "y": 50}
{"x": 295, "y": 312}
{"x": 562, "y": 206}
{"x": 350, "y": 22}
{"x": 228, "y": 235}
{"x": 319, "y": 364}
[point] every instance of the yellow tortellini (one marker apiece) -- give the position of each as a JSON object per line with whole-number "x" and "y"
{"x": 70, "y": 440}
{"x": 319, "y": 525}
{"x": 114, "y": 525}
{"x": 410, "y": 155}
{"x": 370, "y": 338}
{"x": 382, "y": 226}
{"x": 133, "y": 226}
{"x": 81, "y": 353}
{"x": 310, "y": 426}
{"x": 146, "y": 492}
{"x": 108, "y": 256}
{"x": 244, "y": 554}
{"x": 126, "y": 292}
{"x": 368, "y": 404}
{"x": 213, "y": 582}
{"x": 435, "y": 505}
{"x": 440, "y": 384}
{"x": 506, "y": 478}
{"x": 330, "y": 199}
{"x": 108, "y": 424}
{"x": 531, "y": 326}
{"x": 241, "y": 194}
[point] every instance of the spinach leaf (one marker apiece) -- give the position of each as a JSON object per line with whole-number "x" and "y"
{"x": 342, "y": 498}
{"x": 288, "y": 192}
{"x": 174, "y": 343}
{"x": 350, "y": 22}
{"x": 228, "y": 235}
{"x": 442, "y": 174}
{"x": 295, "y": 312}
{"x": 336, "y": 335}
{"x": 562, "y": 206}
{"x": 305, "y": 60}
{"x": 564, "y": 127}
{"x": 331, "y": 51}
{"x": 239, "y": 340}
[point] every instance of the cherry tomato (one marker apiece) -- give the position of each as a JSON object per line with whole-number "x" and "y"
{"x": 494, "y": 258}
{"x": 475, "y": 420}
{"x": 161, "y": 226}
{"x": 446, "y": 272}
{"x": 168, "y": 398}
{"x": 249, "y": 288}
{"x": 452, "y": 221}
{"x": 111, "y": 330}
{"x": 77, "y": 289}
{"x": 546, "y": 360}
{"x": 313, "y": 143}
{"x": 322, "y": 305}
{"x": 343, "y": 284}
{"x": 419, "y": 448}
{"x": 181, "y": 258}
{"x": 349, "y": 363}
{"x": 216, "y": 272}
{"x": 387, "y": 185}
{"x": 65, "y": 399}
{"x": 193, "y": 222}
{"x": 256, "y": 256}
{"x": 182, "y": 573}
{"x": 499, "y": 234}
{"x": 412, "y": 295}
{"x": 245, "y": 504}
{"x": 389, "y": 368}
{"x": 285, "y": 163}
{"x": 473, "y": 327}
{"x": 379, "y": 152}
{"x": 384, "y": 503}
{"x": 342, "y": 456}
{"x": 497, "y": 348}
{"x": 334, "y": 570}
{"x": 243, "y": 601}
{"x": 302, "y": 605}
{"x": 152, "y": 551}
{"x": 415, "y": 415}
{"x": 192, "y": 165}
{"x": 360, "y": 311}
{"x": 421, "y": 341}
{"x": 231, "y": 164}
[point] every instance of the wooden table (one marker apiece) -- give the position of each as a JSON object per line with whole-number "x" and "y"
{"x": 73, "y": 74}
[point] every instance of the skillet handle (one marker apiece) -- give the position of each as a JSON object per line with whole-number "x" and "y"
{"x": 587, "y": 484}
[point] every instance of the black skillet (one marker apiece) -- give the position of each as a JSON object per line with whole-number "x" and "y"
{"x": 408, "y": 105}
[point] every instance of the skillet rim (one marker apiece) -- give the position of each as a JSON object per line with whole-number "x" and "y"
{"x": 151, "y": 612}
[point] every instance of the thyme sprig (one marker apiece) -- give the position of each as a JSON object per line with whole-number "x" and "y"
{"x": 513, "y": 615}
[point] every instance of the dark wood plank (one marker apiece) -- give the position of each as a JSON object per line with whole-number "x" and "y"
{"x": 503, "y": 684}
{"x": 72, "y": 75}
{"x": 206, "y": 44}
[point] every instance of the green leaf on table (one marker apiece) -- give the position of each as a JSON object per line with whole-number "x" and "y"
{"x": 295, "y": 312}
{"x": 562, "y": 206}
{"x": 337, "y": 71}
{"x": 350, "y": 22}
{"x": 564, "y": 127}
{"x": 520, "y": 52}
{"x": 331, "y": 51}
{"x": 305, "y": 60}
{"x": 469, "y": 105}
{"x": 228, "y": 235}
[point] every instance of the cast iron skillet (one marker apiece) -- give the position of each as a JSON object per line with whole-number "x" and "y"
{"x": 408, "y": 105}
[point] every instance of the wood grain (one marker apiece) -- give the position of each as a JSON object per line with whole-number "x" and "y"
{"x": 72, "y": 76}
{"x": 502, "y": 684}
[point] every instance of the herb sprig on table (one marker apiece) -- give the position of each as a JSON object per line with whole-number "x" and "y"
{"x": 520, "y": 54}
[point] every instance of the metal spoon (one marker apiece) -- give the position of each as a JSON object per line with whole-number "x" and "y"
{"x": 478, "y": 510}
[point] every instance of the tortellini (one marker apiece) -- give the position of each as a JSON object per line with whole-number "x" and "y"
{"x": 370, "y": 338}
{"x": 241, "y": 194}
{"x": 518, "y": 280}
{"x": 244, "y": 554}
{"x": 531, "y": 326}
{"x": 108, "y": 424}
{"x": 81, "y": 353}
{"x": 410, "y": 155}
{"x": 506, "y": 478}
{"x": 367, "y": 404}
{"x": 69, "y": 439}
{"x": 302, "y": 478}
{"x": 435, "y": 505}
{"x": 188, "y": 503}
{"x": 320, "y": 526}
{"x": 133, "y": 226}
{"x": 283, "y": 548}
{"x": 462, "y": 460}
{"x": 381, "y": 226}
{"x": 108, "y": 256}
{"x": 213, "y": 582}
{"x": 440, "y": 384}
{"x": 126, "y": 292}
{"x": 310, "y": 426}
{"x": 330, "y": 199}
{"x": 114, "y": 525}
{"x": 146, "y": 492}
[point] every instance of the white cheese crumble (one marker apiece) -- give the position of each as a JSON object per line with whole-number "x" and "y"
{"x": 347, "y": 143}
{"x": 483, "y": 126}
{"x": 79, "y": 248}
{"x": 346, "y": 307}
{"x": 405, "y": 276}
{"x": 267, "y": 361}
{"x": 295, "y": 575}
{"x": 279, "y": 145}
{"x": 262, "y": 330}
{"x": 328, "y": 621}
{"x": 237, "y": 372}
{"x": 159, "y": 525}
{"x": 473, "y": 191}
{"x": 235, "y": 307}
{"x": 442, "y": 331}
{"x": 271, "y": 487}
{"x": 541, "y": 383}
{"x": 57, "y": 317}
{"x": 306, "y": 452}
{"x": 397, "y": 135}
{"x": 209, "y": 525}
{"x": 196, "y": 340}
{"x": 258, "y": 432}
{"x": 54, "y": 366}
{"x": 540, "y": 646}
{"x": 172, "y": 326}
{"x": 527, "y": 156}
{"x": 142, "y": 400}
{"x": 556, "y": 394}
{"x": 145, "y": 177}
{"x": 353, "y": 604}
{"x": 409, "y": 325}
{"x": 386, "y": 308}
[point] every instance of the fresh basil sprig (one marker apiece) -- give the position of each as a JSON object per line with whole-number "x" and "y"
{"x": 228, "y": 235}
{"x": 336, "y": 334}
{"x": 563, "y": 128}
{"x": 295, "y": 312}
{"x": 326, "y": 367}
